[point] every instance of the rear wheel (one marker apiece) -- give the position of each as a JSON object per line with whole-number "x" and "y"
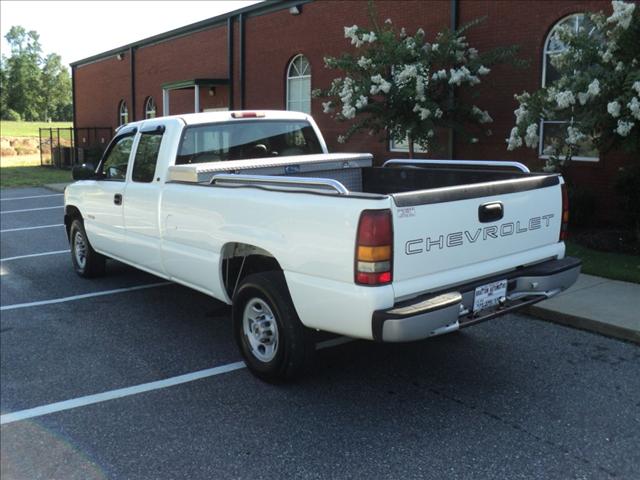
{"x": 86, "y": 261}
{"x": 274, "y": 343}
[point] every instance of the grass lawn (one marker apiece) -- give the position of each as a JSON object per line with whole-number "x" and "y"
{"x": 28, "y": 129}
{"x": 32, "y": 176}
{"x": 604, "y": 264}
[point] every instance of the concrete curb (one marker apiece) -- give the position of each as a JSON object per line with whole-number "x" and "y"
{"x": 583, "y": 323}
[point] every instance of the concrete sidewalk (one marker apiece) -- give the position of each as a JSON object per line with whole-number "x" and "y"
{"x": 597, "y": 304}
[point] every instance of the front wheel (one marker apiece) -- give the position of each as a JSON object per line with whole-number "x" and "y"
{"x": 86, "y": 261}
{"x": 274, "y": 343}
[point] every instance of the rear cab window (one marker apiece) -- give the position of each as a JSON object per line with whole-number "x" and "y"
{"x": 247, "y": 139}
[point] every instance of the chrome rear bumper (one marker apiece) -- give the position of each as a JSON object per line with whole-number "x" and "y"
{"x": 442, "y": 312}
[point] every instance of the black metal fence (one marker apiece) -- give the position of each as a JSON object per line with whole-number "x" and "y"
{"x": 66, "y": 147}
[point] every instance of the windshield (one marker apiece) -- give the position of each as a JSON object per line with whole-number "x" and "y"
{"x": 247, "y": 139}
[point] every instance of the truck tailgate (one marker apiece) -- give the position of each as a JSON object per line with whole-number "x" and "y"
{"x": 477, "y": 229}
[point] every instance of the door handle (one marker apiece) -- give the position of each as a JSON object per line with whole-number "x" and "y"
{"x": 117, "y": 199}
{"x": 490, "y": 212}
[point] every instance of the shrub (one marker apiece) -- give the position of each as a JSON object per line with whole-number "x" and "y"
{"x": 10, "y": 115}
{"x": 627, "y": 186}
{"x": 582, "y": 206}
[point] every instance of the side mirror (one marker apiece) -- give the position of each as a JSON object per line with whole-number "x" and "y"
{"x": 86, "y": 171}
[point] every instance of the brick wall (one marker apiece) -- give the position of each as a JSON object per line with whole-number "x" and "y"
{"x": 273, "y": 39}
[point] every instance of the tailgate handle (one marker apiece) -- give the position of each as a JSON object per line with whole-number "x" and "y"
{"x": 490, "y": 212}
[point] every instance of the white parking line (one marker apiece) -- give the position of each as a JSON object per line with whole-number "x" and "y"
{"x": 31, "y": 228}
{"x": 80, "y": 297}
{"x": 27, "y": 198}
{"x": 142, "y": 388}
{"x": 119, "y": 393}
{"x": 43, "y": 254}
{"x": 32, "y": 209}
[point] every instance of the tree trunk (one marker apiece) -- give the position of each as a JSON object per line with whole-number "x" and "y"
{"x": 410, "y": 141}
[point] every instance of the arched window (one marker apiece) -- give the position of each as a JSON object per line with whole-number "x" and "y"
{"x": 299, "y": 85}
{"x": 123, "y": 113}
{"x": 149, "y": 108}
{"x": 552, "y": 129}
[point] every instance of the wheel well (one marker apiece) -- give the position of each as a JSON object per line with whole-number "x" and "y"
{"x": 240, "y": 260}
{"x": 70, "y": 214}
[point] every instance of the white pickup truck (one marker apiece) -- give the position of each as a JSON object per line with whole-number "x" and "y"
{"x": 249, "y": 208}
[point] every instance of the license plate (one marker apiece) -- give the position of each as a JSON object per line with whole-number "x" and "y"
{"x": 489, "y": 295}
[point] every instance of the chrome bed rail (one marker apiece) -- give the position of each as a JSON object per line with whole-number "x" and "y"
{"x": 487, "y": 163}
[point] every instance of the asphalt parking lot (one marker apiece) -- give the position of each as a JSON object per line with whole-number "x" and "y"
{"x": 102, "y": 379}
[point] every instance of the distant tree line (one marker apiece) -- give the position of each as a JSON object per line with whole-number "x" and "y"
{"x": 33, "y": 86}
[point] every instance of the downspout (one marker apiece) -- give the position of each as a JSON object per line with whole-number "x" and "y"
{"x": 241, "y": 66}
{"x": 230, "y": 59}
{"x": 453, "y": 27}
{"x": 73, "y": 97}
{"x": 73, "y": 118}
{"x": 132, "y": 67}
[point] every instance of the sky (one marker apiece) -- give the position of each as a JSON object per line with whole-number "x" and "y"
{"x": 80, "y": 29}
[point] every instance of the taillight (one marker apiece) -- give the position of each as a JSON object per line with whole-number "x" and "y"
{"x": 374, "y": 248}
{"x": 564, "y": 227}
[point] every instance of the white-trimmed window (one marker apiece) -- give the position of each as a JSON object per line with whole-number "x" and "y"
{"x": 403, "y": 146}
{"x": 299, "y": 85}
{"x": 556, "y": 128}
{"x": 123, "y": 113}
{"x": 150, "y": 108}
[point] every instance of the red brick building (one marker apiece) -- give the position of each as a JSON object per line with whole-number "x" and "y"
{"x": 244, "y": 60}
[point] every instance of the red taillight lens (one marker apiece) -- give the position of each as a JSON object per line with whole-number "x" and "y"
{"x": 564, "y": 226}
{"x": 374, "y": 248}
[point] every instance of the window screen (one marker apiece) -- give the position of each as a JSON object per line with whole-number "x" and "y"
{"x": 247, "y": 139}
{"x": 144, "y": 165}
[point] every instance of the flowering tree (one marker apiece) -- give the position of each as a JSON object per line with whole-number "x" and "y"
{"x": 597, "y": 92}
{"x": 404, "y": 86}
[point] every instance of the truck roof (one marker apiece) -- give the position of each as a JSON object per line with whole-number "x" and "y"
{"x": 225, "y": 116}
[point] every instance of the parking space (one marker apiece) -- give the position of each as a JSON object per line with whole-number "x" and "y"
{"x": 512, "y": 398}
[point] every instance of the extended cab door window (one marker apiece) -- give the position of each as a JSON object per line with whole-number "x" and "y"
{"x": 114, "y": 165}
{"x": 144, "y": 163}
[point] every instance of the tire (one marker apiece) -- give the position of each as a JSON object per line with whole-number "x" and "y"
{"x": 277, "y": 354}
{"x": 86, "y": 261}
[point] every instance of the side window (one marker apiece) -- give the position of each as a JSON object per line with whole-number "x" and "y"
{"x": 114, "y": 166}
{"x": 144, "y": 164}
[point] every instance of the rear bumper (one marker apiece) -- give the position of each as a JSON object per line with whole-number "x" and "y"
{"x": 446, "y": 311}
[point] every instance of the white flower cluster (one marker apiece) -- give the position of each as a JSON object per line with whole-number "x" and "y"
{"x": 327, "y": 107}
{"x": 439, "y": 75}
{"x": 613, "y": 108}
{"x": 593, "y": 90}
{"x": 423, "y": 112}
{"x": 531, "y": 136}
{"x": 346, "y": 96}
{"x": 364, "y": 62}
{"x": 361, "y": 102}
{"x": 462, "y": 75}
{"x": 624, "y": 128}
{"x": 359, "y": 39}
{"x": 636, "y": 87}
{"x": 379, "y": 84}
{"x": 521, "y": 113}
{"x": 564, "y": 99}
{"x": 483, "y": 70}
{"x": 622, "y": 14}
{"x": 482, "y": 115}
{"x": 634, "y": 107}
{"x": 574, "y": 136}
{"x": 514, "y": 141}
